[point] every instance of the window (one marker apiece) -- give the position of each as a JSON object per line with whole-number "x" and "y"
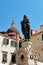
{"x": 4, "y": 59}
{"x": 20, "y": 44}
{"x": 13, "y": 43}
{"x": 13, "y": 59}
{"x": 42, "y": 37}
{"x": 6, "y": 41}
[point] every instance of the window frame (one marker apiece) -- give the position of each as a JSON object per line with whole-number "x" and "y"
{"x": 42, "y": 37}
{"x": 4, "y": 57}
{"x": 13, "y": 43}
{"x": 13, "y": 58}
{"x": 5, "y": 41}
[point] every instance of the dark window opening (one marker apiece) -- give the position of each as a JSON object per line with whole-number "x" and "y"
{"x": 13, "y": 60}
{"x": 42, "y": 37}
{"x": 20, "y": 44}
{"x": 6, "y": 41}
{"x": 13, "y": 43}
{"x": 4, "y": 59}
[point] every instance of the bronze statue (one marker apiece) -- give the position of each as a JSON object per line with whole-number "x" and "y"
{"x": 25, "y": 26}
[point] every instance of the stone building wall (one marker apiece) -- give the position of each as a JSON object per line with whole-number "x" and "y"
{"x": 38, "y": 45}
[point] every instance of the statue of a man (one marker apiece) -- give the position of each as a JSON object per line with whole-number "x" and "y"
{"x": 25, "y": 25}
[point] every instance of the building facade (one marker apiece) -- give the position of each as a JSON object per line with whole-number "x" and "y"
{"x": 7, "y": 50}
{"x": 37, "y": 40}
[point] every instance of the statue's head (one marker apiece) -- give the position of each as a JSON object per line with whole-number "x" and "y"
{"x": 25, "y": 16}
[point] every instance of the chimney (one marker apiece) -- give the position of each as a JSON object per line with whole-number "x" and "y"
{"x": 41, "y": 27}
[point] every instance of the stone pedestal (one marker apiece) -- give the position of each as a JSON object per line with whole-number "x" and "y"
{"x": 26, "y": 55}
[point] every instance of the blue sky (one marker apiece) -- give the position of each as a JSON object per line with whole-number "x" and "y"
{"x": 15, "y": 9}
